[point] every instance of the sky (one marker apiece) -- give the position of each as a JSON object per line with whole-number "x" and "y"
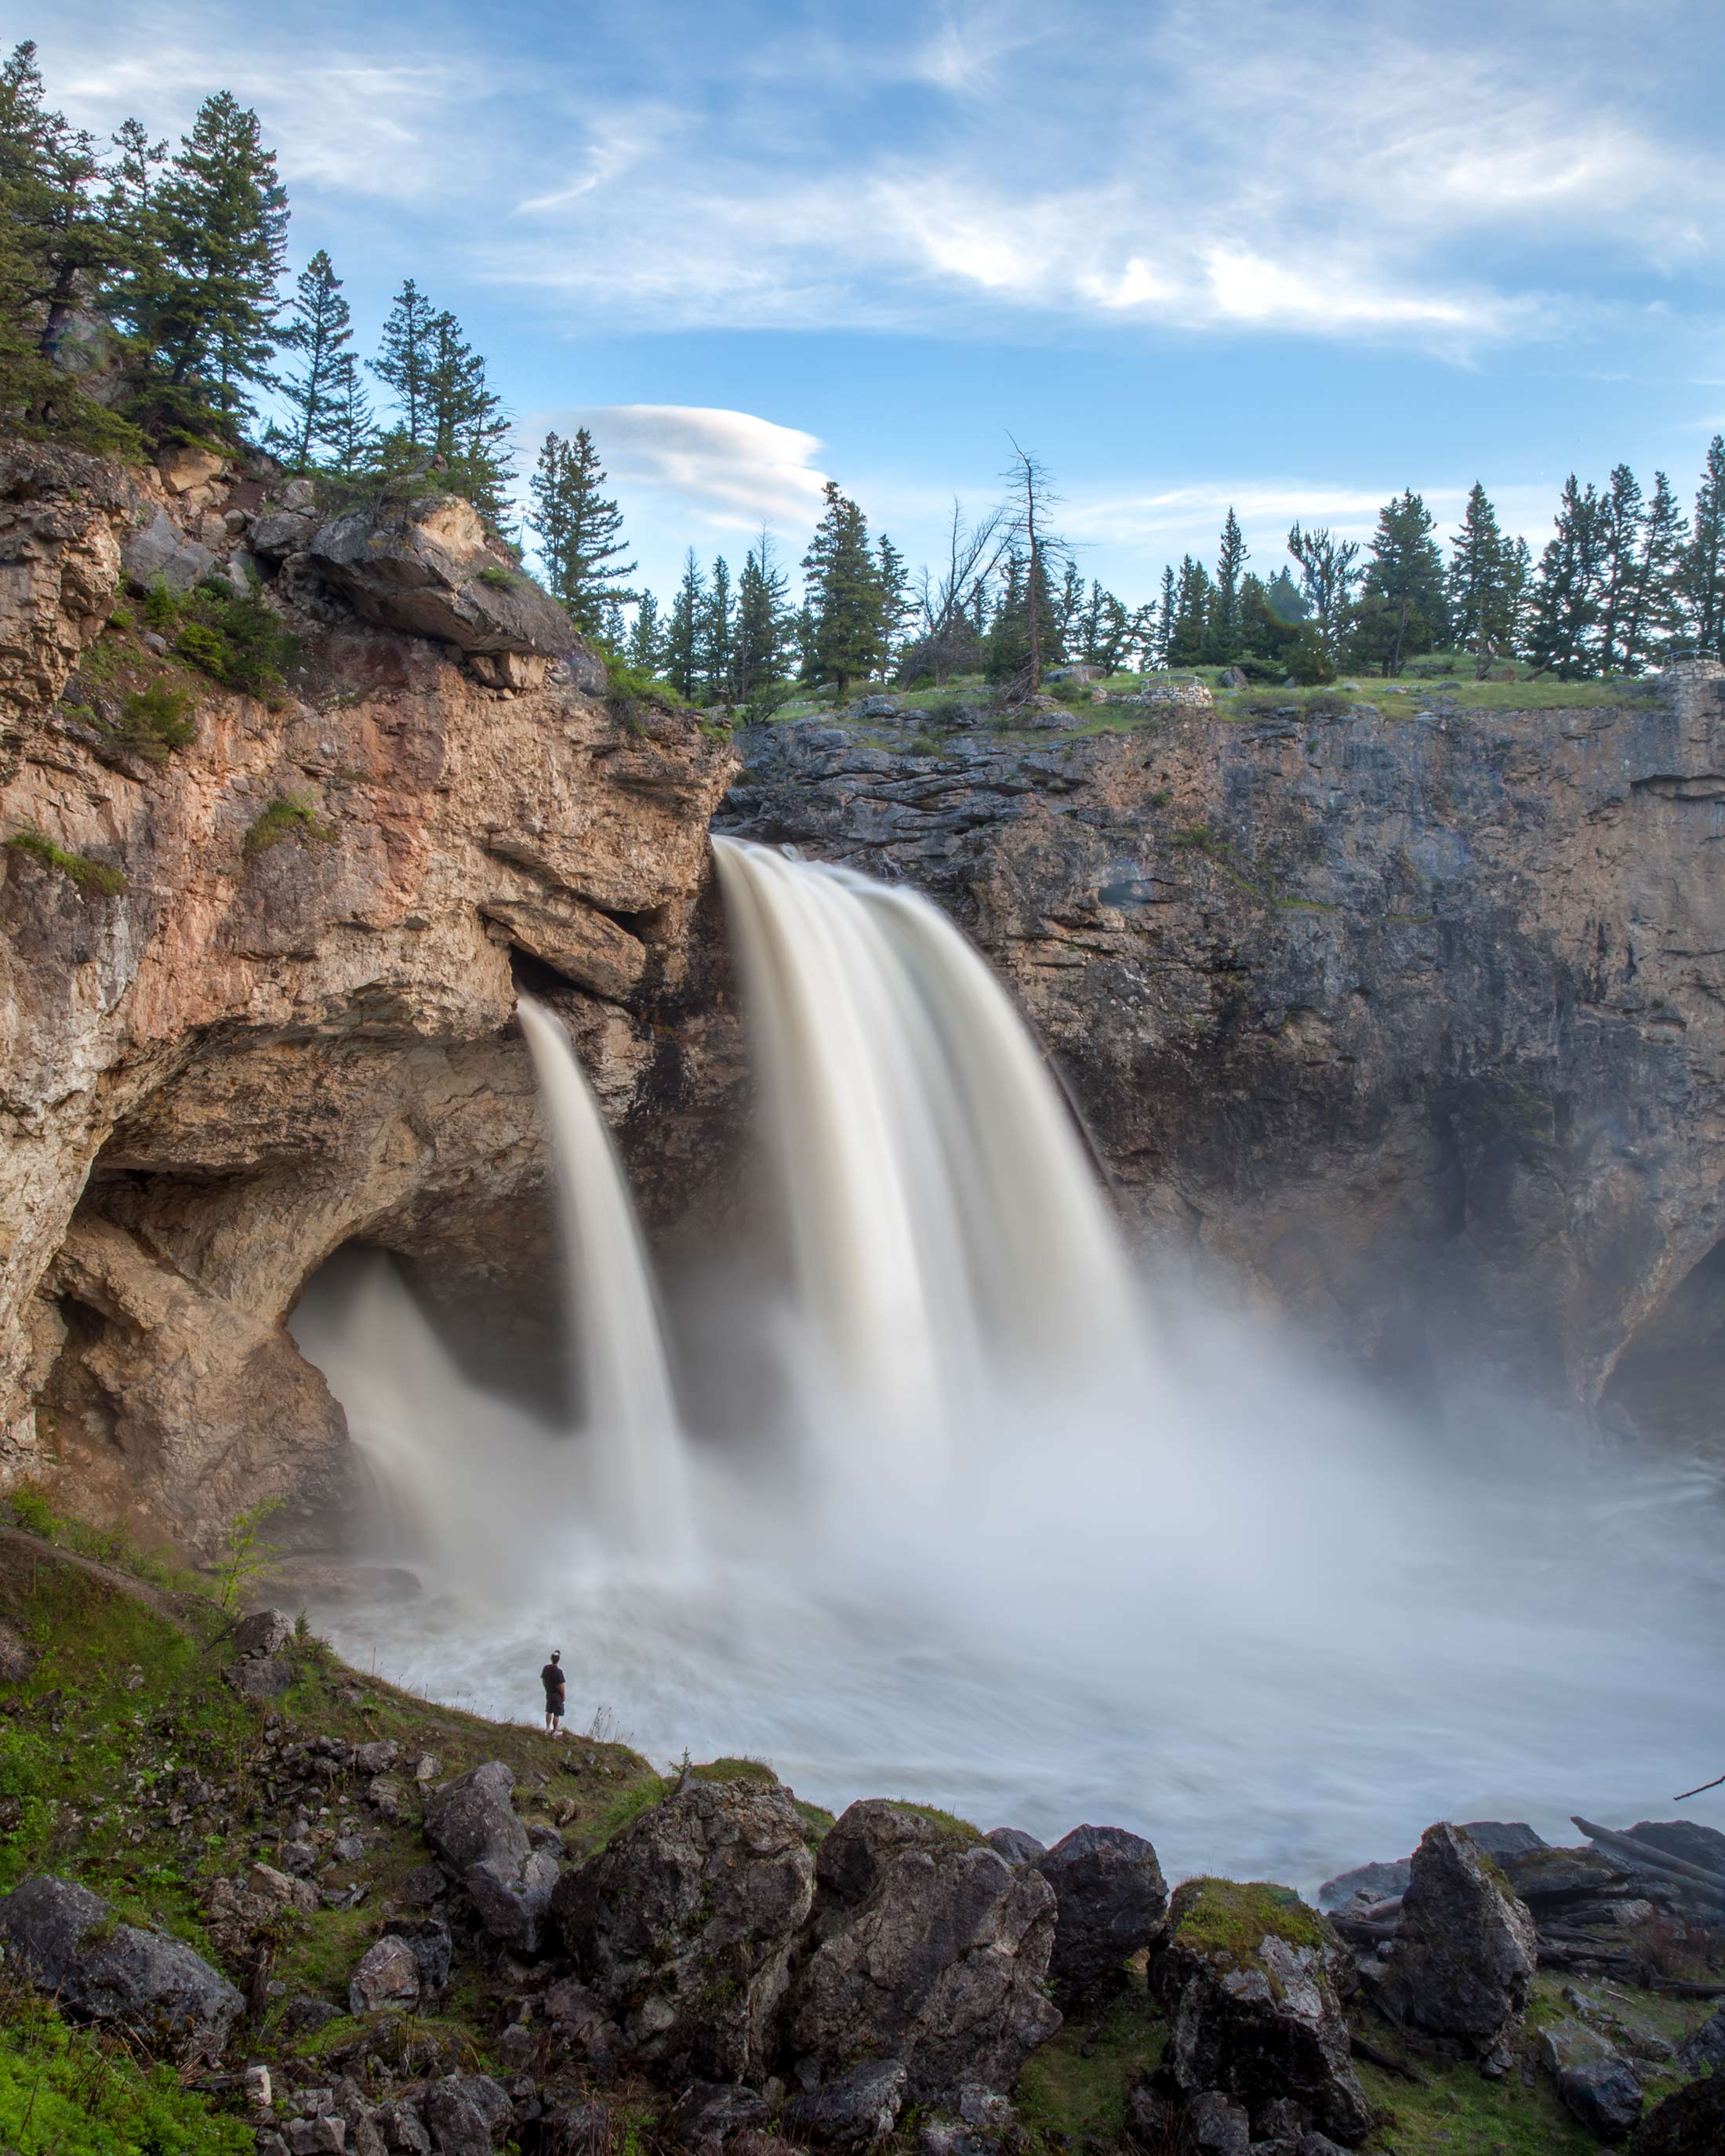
{"x": 1294, "y": 257}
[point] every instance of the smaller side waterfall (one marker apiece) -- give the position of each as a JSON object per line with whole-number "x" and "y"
{"x": 639, "y": 1488}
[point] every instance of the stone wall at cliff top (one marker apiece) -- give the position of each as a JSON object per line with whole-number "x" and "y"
{"x": 245, "y": 1055}
{"x": 1414, "y": 1012}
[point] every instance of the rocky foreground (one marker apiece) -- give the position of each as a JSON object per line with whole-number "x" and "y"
{"x": 352, "y": 1921}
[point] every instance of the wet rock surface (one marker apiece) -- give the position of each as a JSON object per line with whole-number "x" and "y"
{"x": 1111, "y": 1901}
{"x": 1465, "y": 1952}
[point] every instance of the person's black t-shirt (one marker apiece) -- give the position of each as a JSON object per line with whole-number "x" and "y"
{"x": 552, "y": 1677}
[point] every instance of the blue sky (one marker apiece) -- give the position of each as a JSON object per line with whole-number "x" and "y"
{"x": 1294, "y": 257}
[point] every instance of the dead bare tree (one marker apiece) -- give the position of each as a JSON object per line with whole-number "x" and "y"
{"x": 945, "y": 602}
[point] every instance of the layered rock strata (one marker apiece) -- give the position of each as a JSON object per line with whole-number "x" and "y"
{"x": 256, "y": 989}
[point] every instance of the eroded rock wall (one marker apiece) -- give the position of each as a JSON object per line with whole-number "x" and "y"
{"x": 243, "y": 1057}
{"x": 1413, "y": 1015}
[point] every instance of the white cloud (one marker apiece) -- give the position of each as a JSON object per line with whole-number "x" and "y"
{"x": 733, "y": 470}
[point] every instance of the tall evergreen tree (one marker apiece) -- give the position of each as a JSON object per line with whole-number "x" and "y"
{"x": 60, "y": 243}
{"x": 1481, "y": 612}
{"x": 1402, "y": 609}
{"x": 1562, "y": 634}
{"x": 763, "y": 621}
{"x": 1327, "y": 580}
{"x": 1068, "y": 612}
{"x": 843, "y": 580}
{"x": 718, "y": 624}
{"x": 682, "y": 634}
{"x": 645, "y": 650}
{"x": 351, "y": 433}
{"x": 1704, "y": 561}
{"x": 1651, "y": 614}
{"x": 579, "y": 529}
{"x": 895, "y": 595}
{"x": 1222, "y": 634}
{"x": 1621, "y": 512}
{"x": 1168, "y": 606}
{"x": 1189, "y": 631}
{"x": 404, "y": 361}
{"x": 203, "y": 306}
{"x": 318, "y": 329}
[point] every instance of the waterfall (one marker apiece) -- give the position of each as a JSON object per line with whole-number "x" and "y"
{"x": 638, "y": 1488}
{"x": 946, "y": 1230}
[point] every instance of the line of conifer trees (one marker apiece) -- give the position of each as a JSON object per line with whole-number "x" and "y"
{"x": 140, "y": 300}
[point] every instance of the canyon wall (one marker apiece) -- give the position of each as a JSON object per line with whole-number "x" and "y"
{"x": 1411, "y": 1012}
{"x": 256, "y": 990}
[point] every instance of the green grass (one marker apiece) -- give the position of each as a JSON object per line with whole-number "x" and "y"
{"x": 736, "y": 1769}
{"x": 1233, "y": 1918}
{"x": 497, "y": 577}
{"x": 288, "y": 816}
{"x": 65, "y": 2093}
{"x": 1073, "y": 2089}
{"x": 88, "y": 875}
{"x": 947, "y": 1824}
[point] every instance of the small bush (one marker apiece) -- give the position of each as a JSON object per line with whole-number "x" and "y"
{"x": 288, "y": 816}
{"x": 120, "y": 618}
{"x": 87, "y": 874}
{"x": 161, "y": 608}
{"x": 236, "y": 641}
{"x": 1308, "y": 663}
{"x": 627, "y": 688}
{"x": 1072, "y": 693}
{"x": 152, "y": 722}
{"x": 497, "y": 577}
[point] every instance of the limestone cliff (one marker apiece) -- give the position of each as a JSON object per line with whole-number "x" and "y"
{"x": 256, "y": 989}
{"x": 1415, "y": 1012}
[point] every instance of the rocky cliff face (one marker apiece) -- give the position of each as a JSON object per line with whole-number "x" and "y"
{"x": 256, "y": 990}
{"x": 1414, "y": 1014}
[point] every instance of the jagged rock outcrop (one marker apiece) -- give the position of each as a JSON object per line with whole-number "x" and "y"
{"x": 1112, "y": 1901}
{"x": 1465, "y": 1952}
{"x": 1414, "y": 1012}
{"x": 69, "y": 1943}
{"x": 1252, "y": 1982}
{"x": 255, "y": 992}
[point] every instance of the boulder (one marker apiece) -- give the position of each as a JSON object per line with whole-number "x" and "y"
{"x": 378, "y": 1758}
{"x": 513, "y": 1901}
{"x": 1111, "y": 1901}
{"x": 263, "y": 1632}
{"x": 580, "y": 2022}
{"x": 183, "y": 465}
{"x": 1689, "y": 2123}
{"x": 462, "y": 2119}
{"x": 708, "y": 2114}
{"x": 683, "y": 1927}
{"x": 262, "y": 1676}
{"x": 286, "y": 1892}
{"x": 1603, "y": 2094}
{"x": 66, "y": 1941}
{"x": 1703, "y": 2051}
{"x": 855, "y": 2108}
{"x": 472, "y": 1821}
{"x": 1366, "y": 1883}
{"x": 428, "y": 568}
{"x": 934, "y": 1951}
{"x": 1465, "y": 1954}
{"x": 1688, "y": 1840}
{"x": 1015, "y": 1845}
{"x": 401, "y": 2129}
{"x": 1213, "y": 2124}
{"x": 427, "y": 1940}
{"x": 387, "y": 1976}
{"x": 162, "y": 550}
{"x": 282, "y": 532}
{"x": 1252, "y": 1982}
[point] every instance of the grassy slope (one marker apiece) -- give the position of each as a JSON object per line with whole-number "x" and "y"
{"x": 127, "y": 1696}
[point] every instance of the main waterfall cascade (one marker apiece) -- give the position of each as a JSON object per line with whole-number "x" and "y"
{"x": 1018, "y": 1542}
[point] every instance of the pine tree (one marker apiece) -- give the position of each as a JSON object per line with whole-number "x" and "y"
{"x": 1264, "y": 633}
{"x": 578, "y": 530}
{"x": 1621, "y": 512}
{"x": 763, "y": 624}
{"x": 1566, "y": 600}
{"x": 1704, "y": 560}
{"x": 1188, "y": 632}
{"x": 1166, "y": 609}
{"x": 204, "y": 307}
{"x": 1651, "y": 620}
{"x": 1223, "y": 640}
{"x": 682, "y": 634}
{"x": 717, "y": 623}
{"x": 895, "y": 595}
{"x": 1327, "y": 579}
{"x": 1402, "y": 609}
{"x": 1281, "y": 595}
{"x": 351, "y": 435}
{"x": 1481, "y": 608}
{"x": 1068, "y": 611}
{"x": 404, "y": 361}
{"x": 318, "y": 328}
{"x": 645, "y": 651}
{"x": 466, "y": 429}
{"x": 843, "y": 580}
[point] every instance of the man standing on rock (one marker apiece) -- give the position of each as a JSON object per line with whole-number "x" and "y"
{"x": 552, "y": 1677}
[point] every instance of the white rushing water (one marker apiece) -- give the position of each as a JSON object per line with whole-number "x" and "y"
{"x": 1025, "y": 1539}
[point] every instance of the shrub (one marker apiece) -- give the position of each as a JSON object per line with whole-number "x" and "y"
{"x": 87, "y": 874}
{"x": 1308, "y": 662}
{"x": 152, "y": 722}
{"x": 1072, "y": 693}
{"x": 237, "y": 641}
{"x": 161, "y": 608}
{"x": 288, "y": 816}
{"x": 627, "y": 688}
{"x": 496, "y": 577}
